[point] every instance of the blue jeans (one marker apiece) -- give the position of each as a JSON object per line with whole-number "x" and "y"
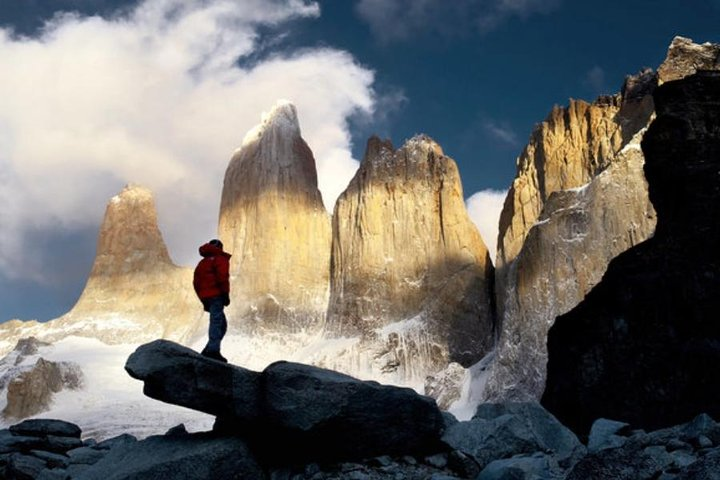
{"x": 218, "y": 324}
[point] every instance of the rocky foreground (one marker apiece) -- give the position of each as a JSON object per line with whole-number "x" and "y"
{"x": 294, "y": 421}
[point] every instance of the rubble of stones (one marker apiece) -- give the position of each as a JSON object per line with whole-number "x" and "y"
{"x": 503, "y": 441}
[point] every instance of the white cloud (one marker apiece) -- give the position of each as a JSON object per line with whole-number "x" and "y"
{"x": 155, "y": 97}
{"x": 595, "y": 80}
{"x": 501, "y": 132}
{"x": 392, "y": 20}
{"x": 484, "y": 208}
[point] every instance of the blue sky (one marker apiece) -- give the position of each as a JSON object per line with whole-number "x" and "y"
{"x": 160, "y": 92}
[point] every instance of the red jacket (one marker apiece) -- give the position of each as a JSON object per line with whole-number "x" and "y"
{"x": 212, "y": 274}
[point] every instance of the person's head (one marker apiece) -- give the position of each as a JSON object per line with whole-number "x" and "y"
{"x": 216, "y": 243}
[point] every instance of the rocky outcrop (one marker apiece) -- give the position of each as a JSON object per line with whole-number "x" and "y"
{"x": 579, "y": 200}
{"x": 503, "y": 431}
{"x": 564, "y": 255}
{"x": 637, "y": 349}
{"x": 685, "y": 58}
{"x": 32, "y": 390}
{"x": 410, "y": 273}
{"x": 28, "y": 382}
{"x": 313, "y": 412}
{"x": 273, "y": 221}
{"x": 134, "y": 291}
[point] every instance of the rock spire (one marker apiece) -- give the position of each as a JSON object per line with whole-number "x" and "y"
{"x": 273, "y": 221}
{"x": 410, "y": 272}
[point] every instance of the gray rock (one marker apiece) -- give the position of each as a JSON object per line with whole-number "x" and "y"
{"x": 178, "y": 375}
{"x": 704, "y": 442}
{"x": 85, "y": 455}
{"x": 24, "y": 467}
{"x": 53, "y": 474}
{"x": 503, "y": 430}
{"x": 604, "y": 434}
{"x": 43, "y": 427}
{"x": 199, "y": 456}
{"x": 706, "y": 468}
{"x": 629, "y": 462}
{"x": 702, "y": 426}
{"x": 61, "y": 444}
{"x": 463, "y": 465}
{"x": 120, "y": 440}
{"x": 14, "y": 443}
{"x": 439, "y": 460}
{"x": 682, "y": 459}
{"x": 53, "y": 460}
{"x": 332, "y": 415}
{"x": 535, "y": 467}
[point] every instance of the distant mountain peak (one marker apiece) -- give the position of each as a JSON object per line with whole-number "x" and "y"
{"x": 282, "y": 118}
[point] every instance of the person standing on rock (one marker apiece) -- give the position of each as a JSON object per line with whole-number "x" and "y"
{"x": 212, "y": 285}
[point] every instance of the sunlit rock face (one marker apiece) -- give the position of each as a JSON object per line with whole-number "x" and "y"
{"x": 410, "y": 272}
{"x": 273, "y": 222}
{"x": 134, "y": 291}
{"x": 644, "y": 345}
{"x": 579, "y": 199}
{"x": 685, "y": 58}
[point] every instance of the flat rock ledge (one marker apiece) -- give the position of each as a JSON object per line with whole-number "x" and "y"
{"x": 311, "y": 412}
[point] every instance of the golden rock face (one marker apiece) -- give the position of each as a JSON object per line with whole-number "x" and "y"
{"x": 134, "y": 288}
{"x": 405, "y": 250}
{"x": 274, "y": 223}
{"x": 134, "y": 292}
{"x": 579, "y": 199}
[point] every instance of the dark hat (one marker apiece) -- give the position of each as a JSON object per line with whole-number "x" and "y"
{"x": 216, "y": 243}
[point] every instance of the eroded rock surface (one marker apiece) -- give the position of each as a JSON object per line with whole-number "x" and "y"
{"x": 640, "y": 346}
{"x": 580, "y": 199}
{"x": 410, "y": 272}
{"x": 313, "y": 412}
{"x": 273, "y": 221}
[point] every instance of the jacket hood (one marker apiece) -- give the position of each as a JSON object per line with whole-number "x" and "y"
{"x": 209, "y": 250}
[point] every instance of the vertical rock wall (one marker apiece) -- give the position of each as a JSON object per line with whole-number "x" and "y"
{"x": 409, "y": 269}
{"x": 273, "y": 222}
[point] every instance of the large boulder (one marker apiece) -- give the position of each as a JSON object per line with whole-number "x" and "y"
{"x": 640, "y": 347}
{"x": 200, "y": 456}
{"x": 178, "y": 375}
{"x": 335, "y": 415}
{"x": 501, "y": 431}
{"x": 307, "y": 410}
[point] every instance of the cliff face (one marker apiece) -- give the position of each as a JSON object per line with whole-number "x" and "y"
{"x": 134, "y": 291}
{"x": 409, "y": 268}
{"x": 641, "y": 347}
{"x": 579, "y": 200}
{"x": 273, "y": 221}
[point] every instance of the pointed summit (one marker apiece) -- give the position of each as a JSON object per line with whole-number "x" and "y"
{"x": 130, "y": 240}
{"x": 272, "y": 219}
{"x": 406, "y": 253}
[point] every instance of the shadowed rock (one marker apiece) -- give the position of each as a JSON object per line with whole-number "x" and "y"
{"x": 643, "y": 345}
{"x": 308, "y": 411}
{"x": 178, "y": 375}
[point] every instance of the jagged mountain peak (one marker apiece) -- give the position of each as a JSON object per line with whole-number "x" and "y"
{"x": 282, "y": 119}
{"x": 133, "y": 192}
{"x": 130, "y": 239}
{"x": 686, "y": 57}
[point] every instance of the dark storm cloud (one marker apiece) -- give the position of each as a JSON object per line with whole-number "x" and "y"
{"x": 66, "y": 259}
